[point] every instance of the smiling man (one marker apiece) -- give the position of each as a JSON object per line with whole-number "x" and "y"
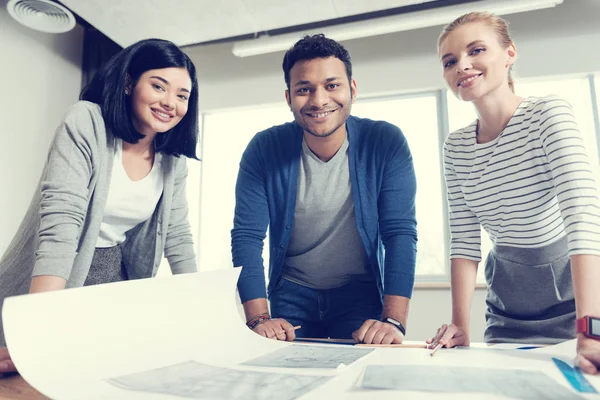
{"x": 336, "y": 192}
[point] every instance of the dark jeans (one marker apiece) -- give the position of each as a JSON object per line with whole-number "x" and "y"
{"x": 333, "y": 313}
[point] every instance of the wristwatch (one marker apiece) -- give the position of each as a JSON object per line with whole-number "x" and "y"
{"x": 589, "y": 326}
{"x": 396, "y": 323}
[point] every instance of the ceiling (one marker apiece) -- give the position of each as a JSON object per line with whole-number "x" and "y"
{"x": 187, "y": 22}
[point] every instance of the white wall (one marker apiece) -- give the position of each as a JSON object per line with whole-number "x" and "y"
{"x": 557, "y": 41}
{"x": 40, "y": 76}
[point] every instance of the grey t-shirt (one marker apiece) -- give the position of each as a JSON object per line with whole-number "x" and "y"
{"x": 325, "y": 249}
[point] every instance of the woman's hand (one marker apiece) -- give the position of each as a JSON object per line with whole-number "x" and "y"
{"x": 449, "y": 336}
{"x": 588, "y": 355}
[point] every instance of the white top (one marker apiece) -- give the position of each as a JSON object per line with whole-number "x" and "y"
{"x": 129, "y": 202}
{"x": 528, "y": 187}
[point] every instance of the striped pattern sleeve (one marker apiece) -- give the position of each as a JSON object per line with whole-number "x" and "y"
{"x": 573, "y": 179}
{"x": 465, "y": 229}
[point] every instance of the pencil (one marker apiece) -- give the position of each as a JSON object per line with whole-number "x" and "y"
{"x": 436, "y": 348}
{"x": 295, "y": 328}
{"x": 347, "y": 342}
{"x": 400, "y": 346}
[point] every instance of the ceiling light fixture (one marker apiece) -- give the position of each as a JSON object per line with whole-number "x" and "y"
{"x": 383, "y": 25}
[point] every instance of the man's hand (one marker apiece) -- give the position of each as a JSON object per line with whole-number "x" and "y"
{"x": 588, "y": 355}
{"x": 6, "y": 364}
{"x": 276, "y": 328}
{"x": 377, "y": 332}
{"x": 449, "y": 336}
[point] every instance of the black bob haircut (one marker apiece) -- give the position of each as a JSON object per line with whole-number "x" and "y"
{"x": 107, "y": 89}
{"x": 315, "y": 46}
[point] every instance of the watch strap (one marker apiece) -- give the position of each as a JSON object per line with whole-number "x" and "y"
{"x": 581, "y": 325}
{"x": 396, "y": 323}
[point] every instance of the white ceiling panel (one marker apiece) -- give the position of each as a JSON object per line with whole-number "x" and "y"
{"x": 187, "y": 22}
{"x": 275, "y": 14}
{"x": 216, "y": 20}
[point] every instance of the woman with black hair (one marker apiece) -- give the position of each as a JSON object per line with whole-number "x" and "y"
{"x": 111, "y": 199}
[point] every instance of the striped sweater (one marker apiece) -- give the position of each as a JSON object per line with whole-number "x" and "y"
{"x": 529, "y": 187}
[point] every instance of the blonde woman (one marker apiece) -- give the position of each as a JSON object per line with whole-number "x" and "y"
{"x": 521, "y": 172}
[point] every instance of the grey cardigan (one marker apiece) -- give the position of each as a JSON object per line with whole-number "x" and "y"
{"x": 59, "y": 232}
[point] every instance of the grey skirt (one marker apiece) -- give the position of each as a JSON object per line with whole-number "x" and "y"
{"x": 107, "y": 266}
{"x": 530, "y": 295}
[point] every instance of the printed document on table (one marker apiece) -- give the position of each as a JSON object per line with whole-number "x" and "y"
{"x": 511, "y": 383}
{"x": 200, "y": 381}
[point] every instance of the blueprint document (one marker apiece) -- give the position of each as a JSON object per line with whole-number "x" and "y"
{"x": 511, "y": 383}
{"x": 306, "y": 356}
{"x": 200, "y": 381}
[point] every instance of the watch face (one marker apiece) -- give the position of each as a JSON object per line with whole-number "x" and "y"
{"x": 595, "y": 326}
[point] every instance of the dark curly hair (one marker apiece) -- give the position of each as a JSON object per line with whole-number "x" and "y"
{"x": 315, "y": 46}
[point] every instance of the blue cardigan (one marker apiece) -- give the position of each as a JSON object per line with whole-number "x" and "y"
{"x": 383, "y": 185}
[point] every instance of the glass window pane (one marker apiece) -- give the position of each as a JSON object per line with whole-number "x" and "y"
{"x": 417, "y": 118}
{"x": 577, "y": 92}
{"x": 222, "y": 153}
{"x": 460, "y": 113}
{"x": 226, "y": 135}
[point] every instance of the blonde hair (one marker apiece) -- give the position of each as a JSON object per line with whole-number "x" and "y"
{"x": 498, "y": 24}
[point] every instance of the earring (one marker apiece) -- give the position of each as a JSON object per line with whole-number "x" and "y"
{"x": 127, "y": 92}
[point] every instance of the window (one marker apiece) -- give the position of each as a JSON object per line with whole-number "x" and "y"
{"x": 226, "y": 135}
{"x": 417, "y": 118}
{"x": 577, "y": 92}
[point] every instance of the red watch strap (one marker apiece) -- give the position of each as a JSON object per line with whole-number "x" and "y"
{"x": 582, "y": 324}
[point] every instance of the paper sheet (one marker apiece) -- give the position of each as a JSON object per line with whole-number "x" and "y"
{"x": 306, "y": 356}
{"x": 71, "y": 341}
{"x": 565, "y": 350}
{"x": 515, "y": 384}
{"x": 200, "y": 381}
